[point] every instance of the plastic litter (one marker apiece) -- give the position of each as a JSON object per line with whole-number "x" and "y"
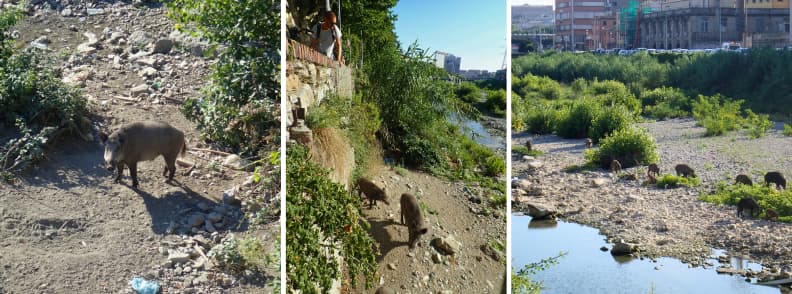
{"x": 142, "y": 286}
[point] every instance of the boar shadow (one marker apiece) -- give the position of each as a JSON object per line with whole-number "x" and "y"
{"x": 387, "y": 239}
{"x": 173, "y": 207}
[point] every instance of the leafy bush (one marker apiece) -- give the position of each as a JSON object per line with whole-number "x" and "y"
{"x": 495, "y": 165}
{"x": 717, "y": 114}
{"x": 496, "y": 102}
{"x": 468, "y": 92}
{"x": 541, "y": 119}
{"x": 665, "y": 102}
{"x": 521, "y": 280}
{"x": 630, "y": 146}
{"x": 607, "y": 121}
{"x": 247, "y": 253}
{"x": 757, "y": 124}
{"x": 535, "y": 87}
{"x": 614, "y": 93}
{"x": 321, "y": 212}
{"x": 239, "y": 106}
{"x": 37, "y": 106}
{"x": 787, "y": 130}
{"x": 728, "y": 194}
{"x": 522, "y": 150}
{"x": 672, "y": 181}
{"x": 576, "y": 122}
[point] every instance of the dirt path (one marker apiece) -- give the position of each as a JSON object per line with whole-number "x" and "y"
{"x": 664, "y": 222}
{"x": 426, "y": 269}
{"x": 66, "y": 228}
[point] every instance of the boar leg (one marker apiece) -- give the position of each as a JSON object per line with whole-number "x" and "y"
{"x": 120, "y": 172}
{"x": 133, "y": 172}
{"x": 413, "y": 238}
{"x": 170, "y": 162}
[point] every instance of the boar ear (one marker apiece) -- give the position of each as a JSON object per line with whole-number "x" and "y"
{"x": 103, "y": 136}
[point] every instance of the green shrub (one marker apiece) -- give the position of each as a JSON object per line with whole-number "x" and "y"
{"x": 576, "y": 122}
{"x": 766, "y": 197}
{"x": 579, "y": 168}
{"x": 757, "y": 124}
{"x": 608, "y": 121}
{"x": 535, "y": 87}
{"x": 521, "y": 279}
{"x": 787, "y": 130}
{"x": 468, "y": 92}
{"x": 247, "y": 253}
{"x": 630, "y": 146}
{"x": 238, "y": 107}
{"x": 496, "y": 102}
{"x": 522, "y": 150}
{"x": 614, "y": 93}
{"x": 541, "y": 119}
{"x": 321, "y": 212}
{"x": 672, "y": 181}
{"x": 422, "y": 152}
{"x": 717, "y": 114}
{"x": 665, "y": 102}
{"x": 496, "y": 165}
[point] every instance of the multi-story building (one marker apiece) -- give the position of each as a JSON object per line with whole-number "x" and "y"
{"x": 527, "y": 17}
{"x": 582, "y": 14}
{"x": 605, "y": 34}
{"x": 447, "y": 61}
{"x": 701, "y": 24}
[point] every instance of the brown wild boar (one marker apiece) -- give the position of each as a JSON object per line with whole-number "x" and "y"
{"x": 616, "y": 167}
{"x": 372, "y": 192}
{"x": 743, "y": 179}
{"x": 653, "y": 170}
{"x": 684, "y": 170}
{"x": 771, "y": 215}
{"x": 748, "y": 203}
{"x": 411, "y": 216}
{"x": 589, "y": 143}
{"x": 143, "y": 141}
{"x": 528, "y": 145}
{"x": 775, "y": 178}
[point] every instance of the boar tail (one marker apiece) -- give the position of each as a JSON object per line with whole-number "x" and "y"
{"x": 183, "y": 149}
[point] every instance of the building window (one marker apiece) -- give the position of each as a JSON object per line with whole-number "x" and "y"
{"x": 704, "y": 25}
{"x": 723, "y": 25}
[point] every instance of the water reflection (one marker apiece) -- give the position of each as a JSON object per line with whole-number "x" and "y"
{"x": 587, "y": 269}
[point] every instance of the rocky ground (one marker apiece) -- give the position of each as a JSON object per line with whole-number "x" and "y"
{"x": 458, "y": 255}
{"x": 664, "y": 222}
{"x": 66, "y": 228}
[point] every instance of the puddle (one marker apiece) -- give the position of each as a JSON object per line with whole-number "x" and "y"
{"x": 476, "y": 131}
{"x": 586, "y": 269}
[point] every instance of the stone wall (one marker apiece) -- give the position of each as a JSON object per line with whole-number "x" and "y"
{"x": 311, "y": 77}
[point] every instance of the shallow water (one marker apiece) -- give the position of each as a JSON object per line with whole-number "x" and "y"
{"x": 476, "y": 131}
{"x": 586, "y": 269}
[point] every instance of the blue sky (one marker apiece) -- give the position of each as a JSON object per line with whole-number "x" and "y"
{"x": 474, "y": 30}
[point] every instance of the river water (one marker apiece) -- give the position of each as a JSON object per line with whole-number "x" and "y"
{"x": 476, "y": 131}
{"x": 586, "y": 269}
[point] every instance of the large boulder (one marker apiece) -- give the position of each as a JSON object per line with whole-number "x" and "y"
{"x": 540, "y": 212}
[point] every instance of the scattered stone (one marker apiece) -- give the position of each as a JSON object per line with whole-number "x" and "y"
{"x": 196, "y": 220}
{"x": 67, "y": 12}
{"x": 148, "y": 72}
{"x": 599, "y": 182}
{"x": 604, "y": 248}
{"x": 163, "y": 46}
{"x": 448, "y": 245}
{"x": 474, "y": 199}
{"x": 115, "y": 36}
{"x": 536, "y": 164}
{"x": 392, "y": 266}
{"x": 215, "y": 217}
{"x": 235, "y": 162}
{"x": 139, "y": 90}
{"x": 178, "y": 257}
{"x": 139, "y": 38}
{"x": 41, "y": 43}
{"x": 539, "y": 212}
{"x": 95, "y": 11}
{"x": 621, "y": 248}
{"x": 209, "y": 227}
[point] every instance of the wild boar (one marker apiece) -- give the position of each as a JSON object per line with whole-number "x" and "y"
{"x": 372, "y": 192}
{"x": 143, "y": 141}
{"x": 653, "y": 170}
{"x": 589, "y": 143}
{"x": 684, "y": 170}
{"x": 771, "y": 214}
{"x": 743, "y": 179}
{"x": 775, "y": 178}
{"x": 616, "y": 167}
{"x": 528, "y": 145}
{"x": 412, "y": 218}
{"x": 748, "y": 203}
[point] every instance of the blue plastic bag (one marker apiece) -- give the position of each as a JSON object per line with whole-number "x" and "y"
{"x": 144, "y": 287}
